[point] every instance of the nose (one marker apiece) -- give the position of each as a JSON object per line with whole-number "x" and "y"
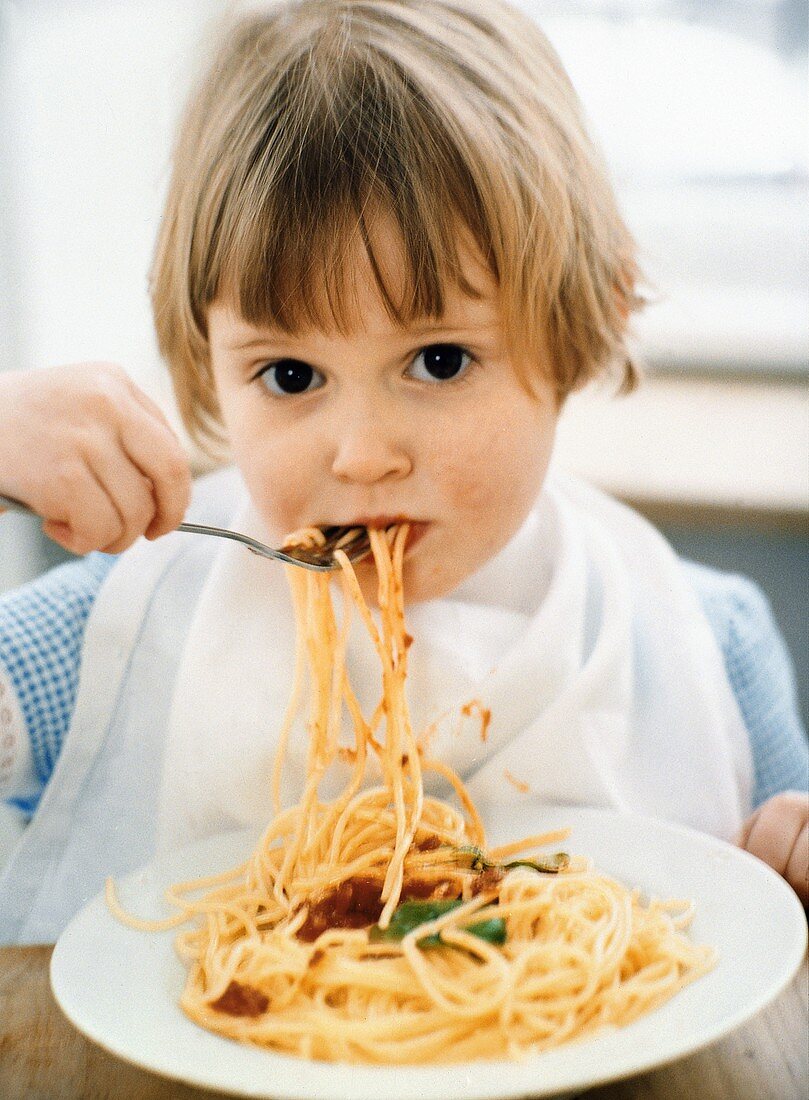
{"x": 370, "y": 445}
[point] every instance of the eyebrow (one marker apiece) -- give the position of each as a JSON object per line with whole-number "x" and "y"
{"x": 257, "y": 341}
{"x": 407, "y": 335}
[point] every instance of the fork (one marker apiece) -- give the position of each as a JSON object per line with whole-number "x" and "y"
{"x": 353, "y": 541}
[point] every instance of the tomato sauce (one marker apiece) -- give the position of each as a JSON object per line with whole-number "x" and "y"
{"x": 241, "y": 1000}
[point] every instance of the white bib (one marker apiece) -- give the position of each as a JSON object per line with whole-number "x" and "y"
{"x": 583, "y": 638}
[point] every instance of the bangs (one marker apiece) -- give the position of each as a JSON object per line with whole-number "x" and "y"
{"x": 344, "y": 144}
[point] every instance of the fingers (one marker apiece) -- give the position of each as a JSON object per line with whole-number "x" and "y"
{"x": 82, "y": 515}
{"x": 131, "y": 495}
{"x": 746, "y": 829}
{"x": 146, "y": 439}
{"x": 797, "y": 872}
{"x": 107, "y": 506}
{"x": 154, "y": 449}
{"x": 93, "y": 455}
{"x": 146, "y": 403}
{"x": 123, "y": 472}
{"x": 778, "y": 833}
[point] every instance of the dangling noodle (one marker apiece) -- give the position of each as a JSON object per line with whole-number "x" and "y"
{"x": 305, "y": 947}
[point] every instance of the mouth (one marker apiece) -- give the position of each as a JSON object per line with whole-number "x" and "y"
{"x": 418, "y": 528}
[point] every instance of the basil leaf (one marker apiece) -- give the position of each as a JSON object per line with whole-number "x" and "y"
{"x": 549, "y": 866}
{"x": 492, "y": 930}
{"x": 410, "y": 914}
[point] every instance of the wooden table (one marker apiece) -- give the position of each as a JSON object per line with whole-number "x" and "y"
{"x": 43, "y": 1058}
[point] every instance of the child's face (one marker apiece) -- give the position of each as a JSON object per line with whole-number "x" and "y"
{"x": 429, "y": 424}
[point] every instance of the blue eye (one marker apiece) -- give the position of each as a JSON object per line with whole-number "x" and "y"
{"x": 290, "y": 376}
{"x": 440, "y": 363}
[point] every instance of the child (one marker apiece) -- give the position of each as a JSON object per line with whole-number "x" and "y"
{"x": 389, "y": 252}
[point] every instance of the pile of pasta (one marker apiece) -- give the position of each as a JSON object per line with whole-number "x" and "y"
{"x": 378, "y": 927}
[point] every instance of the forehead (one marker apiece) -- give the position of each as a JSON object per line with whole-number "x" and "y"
{"x": 471, "y": 299}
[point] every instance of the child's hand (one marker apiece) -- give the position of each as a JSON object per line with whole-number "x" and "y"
{"x": 92, "y": 455}
{"x": 778, "y": 833}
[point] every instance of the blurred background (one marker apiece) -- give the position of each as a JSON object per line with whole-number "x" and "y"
{"x": 702, "y": 109}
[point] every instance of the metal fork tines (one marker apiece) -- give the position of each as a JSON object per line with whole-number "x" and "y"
{"x": 353, "y": 541}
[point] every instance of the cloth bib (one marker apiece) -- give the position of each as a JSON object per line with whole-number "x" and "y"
{"x": 582, "y": 638}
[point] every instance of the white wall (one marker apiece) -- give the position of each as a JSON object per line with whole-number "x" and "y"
{"x": 92, "y": 89}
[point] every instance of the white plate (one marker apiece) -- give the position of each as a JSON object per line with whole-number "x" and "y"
{"x": 120, "y": 987}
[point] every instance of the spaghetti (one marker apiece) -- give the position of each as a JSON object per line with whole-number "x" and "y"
{"x": 377, "y": 927}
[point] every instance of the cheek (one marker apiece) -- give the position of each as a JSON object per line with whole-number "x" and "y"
{"x": 499, "y": 468}
{"x": 272, "y": 472}
{"x": 280, "y": 496}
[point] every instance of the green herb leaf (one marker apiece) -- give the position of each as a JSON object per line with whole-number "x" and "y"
{"x": 410, "y": 914}
{"x": 475, "y": 859}
{"x": 492, "y": 930}
{"x": 550, "y": 866}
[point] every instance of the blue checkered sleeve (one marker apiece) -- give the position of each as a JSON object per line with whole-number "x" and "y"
{"x": 41, "y": 634}
{"x": 762, "y": 676}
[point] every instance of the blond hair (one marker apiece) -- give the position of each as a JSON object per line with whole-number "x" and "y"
{"x": 442, "y": 114}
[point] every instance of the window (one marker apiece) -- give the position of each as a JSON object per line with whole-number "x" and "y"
{"x": 701, "y": 109}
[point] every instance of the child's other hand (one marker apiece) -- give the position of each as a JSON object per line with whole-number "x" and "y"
{"x": 778, "y": 833}
{"x": 92, "y": 455}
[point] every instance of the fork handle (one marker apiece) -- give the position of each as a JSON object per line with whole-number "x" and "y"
{"x": 11, "y": 504}
{"x": 257, "y": 547}
{"x": 235, "y": 536}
